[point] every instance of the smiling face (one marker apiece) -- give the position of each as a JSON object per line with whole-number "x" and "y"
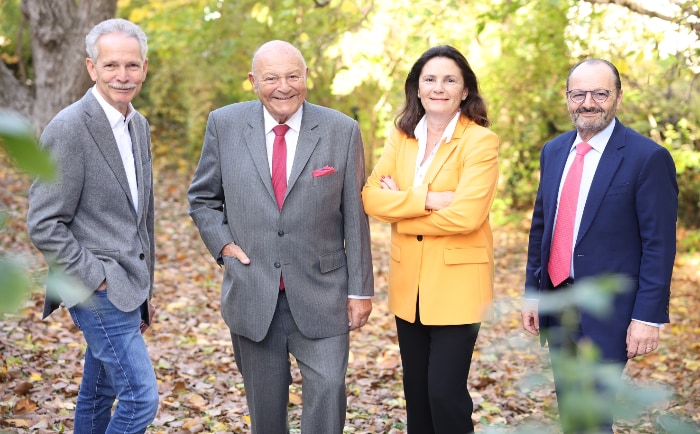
{"x": 119, "y": 70}
{"x": 279, "y": 79}
{"x": 441, "y": 87}
{"x": 589, "y": 116}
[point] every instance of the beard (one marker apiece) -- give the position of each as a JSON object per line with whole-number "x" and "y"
{"x": 595, "y": 125}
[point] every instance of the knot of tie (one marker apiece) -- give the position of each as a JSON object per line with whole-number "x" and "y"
{"x": 280, "y": 130}
{"x": 583, "y": 148}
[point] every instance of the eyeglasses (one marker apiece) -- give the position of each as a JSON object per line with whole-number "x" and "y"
{"x": 577, "y": 96}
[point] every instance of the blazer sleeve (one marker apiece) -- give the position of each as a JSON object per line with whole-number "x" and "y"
{"x": 657, "y": 211}
{"x": 388, "y": 205}
{"x": 53, "y": 205}
{"x": 356, "y": 225}
{"x": 206, "y": 195}
{"x": 474, "y": 194}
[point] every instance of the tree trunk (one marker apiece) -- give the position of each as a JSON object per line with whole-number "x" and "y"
{"x": 58, "y": 30}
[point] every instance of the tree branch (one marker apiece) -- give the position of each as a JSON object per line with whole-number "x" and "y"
{"x": 694, "y": 25}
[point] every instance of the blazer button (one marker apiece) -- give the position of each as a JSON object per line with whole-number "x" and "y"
{"x": 419, "y": 237}
{"x": 277, "y": 265}
{"x": 142, "y": 256}
{"x": 280, "y": 233}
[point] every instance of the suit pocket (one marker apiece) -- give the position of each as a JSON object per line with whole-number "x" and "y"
{"x": 619, "y": 189}
{"x": 105, "y": 254}
{"x": 332, "y": 261}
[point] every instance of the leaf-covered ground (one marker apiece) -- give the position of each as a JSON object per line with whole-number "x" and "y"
{"x": 201, "y": 389}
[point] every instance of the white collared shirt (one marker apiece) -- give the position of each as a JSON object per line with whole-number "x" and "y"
{"x": 421, "y": 133}
{"x": 291, "y": 138}
{"x": 120, "y": 129}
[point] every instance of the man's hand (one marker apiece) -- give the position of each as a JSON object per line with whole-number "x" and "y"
{"x": 358, "y": 312}
{"x": 641, "y": 339}
{"x": 234, "y": 251}
{"x": 531, "y": 322}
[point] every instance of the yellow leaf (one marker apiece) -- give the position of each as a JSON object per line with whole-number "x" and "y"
{"x": 294, "y": 398}
{"x": 35, "y": 377}
{"x": 692, "y": 365}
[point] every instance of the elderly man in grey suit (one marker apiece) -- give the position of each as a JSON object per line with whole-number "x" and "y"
{"x": 94, "y": 224}
{"x": 276, "y": 198}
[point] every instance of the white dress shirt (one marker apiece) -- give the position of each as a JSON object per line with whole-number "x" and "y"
{"x": 120, "y": 129}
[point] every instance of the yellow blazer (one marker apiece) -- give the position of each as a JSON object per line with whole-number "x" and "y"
{"x": 446, "y": 254}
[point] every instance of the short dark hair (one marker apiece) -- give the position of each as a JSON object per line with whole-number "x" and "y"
{"x": 616, "y": 73}
{"x": 473, "y": 107}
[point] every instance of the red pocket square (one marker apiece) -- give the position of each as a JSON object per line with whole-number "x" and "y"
{"x": 325, "y": 170}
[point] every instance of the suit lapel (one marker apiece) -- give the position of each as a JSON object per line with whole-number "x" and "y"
{"x": 309, "y": 136}
{"x": 136, "y": 145}
{"x": 102, "y": 134}
{"x": 255, "y": 142}
{"x": 605, "y": 172}
{"x": 444, "y": 151}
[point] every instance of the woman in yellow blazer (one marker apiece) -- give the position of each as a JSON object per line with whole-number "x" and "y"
{"x": 435, "y": 183}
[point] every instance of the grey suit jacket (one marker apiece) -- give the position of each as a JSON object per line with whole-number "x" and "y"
{"x": 320, "y": 239}
{"x": 84, "y": 222}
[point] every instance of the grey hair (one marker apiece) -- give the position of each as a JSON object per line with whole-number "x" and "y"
{"x": 114, "y": 25}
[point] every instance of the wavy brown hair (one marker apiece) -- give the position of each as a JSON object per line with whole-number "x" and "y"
{"x": 473, "y": 107}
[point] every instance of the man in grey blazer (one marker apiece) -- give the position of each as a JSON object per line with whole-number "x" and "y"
{"x": 94, "y": 225}
{"x": 297, "y": 269}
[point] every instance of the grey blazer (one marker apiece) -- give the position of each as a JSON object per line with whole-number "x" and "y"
{"x": 84, "y": 222}
{"x": 320, "y": 239}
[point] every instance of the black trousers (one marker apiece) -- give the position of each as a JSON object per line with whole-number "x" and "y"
{"x": 436, "y": 362}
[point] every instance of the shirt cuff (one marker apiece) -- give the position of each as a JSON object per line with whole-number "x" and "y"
{"x": 649, "y": 323}
{"x": 360, "y": 297}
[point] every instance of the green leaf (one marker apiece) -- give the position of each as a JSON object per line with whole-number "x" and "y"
{"x": 17, "y": 137}
{"x": 15, "y": 285}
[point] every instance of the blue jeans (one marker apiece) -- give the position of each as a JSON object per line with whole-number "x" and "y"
{"x": 117, "y": 366}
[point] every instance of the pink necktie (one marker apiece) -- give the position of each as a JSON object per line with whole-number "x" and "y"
{"x": 279, "y": 163}
{"x": 563, "y": 239}
{"x": 279, "y": 170}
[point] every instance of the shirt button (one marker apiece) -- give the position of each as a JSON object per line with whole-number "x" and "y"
{"x": 277, "y": 265}
{"x": 280, "y": 233}
{"x": 142, "y": 256}
{"x": 419, "y": 237}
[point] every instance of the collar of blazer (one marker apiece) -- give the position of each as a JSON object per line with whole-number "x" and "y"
{"x": 309, "y": 138}
{"x": 605, "y": 172}
{"x": 98, "y": 125}
{"x": 446, "y": 149}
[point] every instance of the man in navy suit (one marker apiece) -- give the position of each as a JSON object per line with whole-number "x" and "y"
{"x": 624, "y": 224}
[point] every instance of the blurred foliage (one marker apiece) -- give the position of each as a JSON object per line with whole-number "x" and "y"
{"x": 359, "y": 52}
{"x": 18, "y": 140}
{"x": 595, "y": 391}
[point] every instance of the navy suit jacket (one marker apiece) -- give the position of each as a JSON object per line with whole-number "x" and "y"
{"x": 628, "y": 228}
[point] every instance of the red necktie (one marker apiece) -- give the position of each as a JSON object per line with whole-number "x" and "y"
{"x": 563, "y": 239}
{"x": 279, "y": 163}
{"x": 279, "y": 170}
